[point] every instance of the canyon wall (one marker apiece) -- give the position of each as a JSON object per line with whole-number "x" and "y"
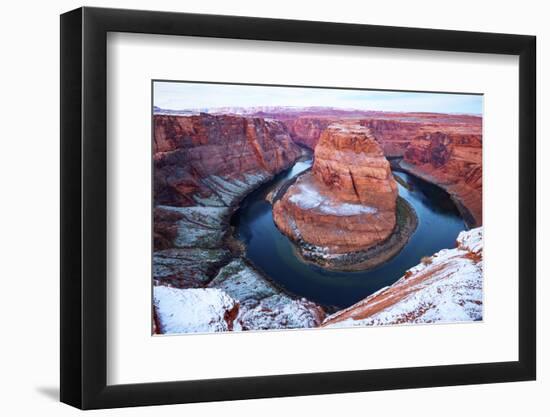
{"x": 445, "y": 287}
{"x": 193, "y": 155}
{"x": 394, "y": 131}
{"x": 306, "y": 131}
{"x": 203, "y": 166}
{"x": 454, "y": 162}
{"x": 347, "y": 202}
{"x": 212, "y": 161}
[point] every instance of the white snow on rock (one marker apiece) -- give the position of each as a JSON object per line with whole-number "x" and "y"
{"x": 279, "y": 312}
{"x": 242, "y": 283}
{"x": 471, "y": 240}
{"x": 447, "y": 287}
{"x": 263, "y": 306}
{"x": 308, "y": 197}
{"x": 193, "y": 310}
{"x": 300, "y": 167}
{"x": 186, "y": 267}
{"x": 227, "y": 191}
{"x": 200, "y": 227}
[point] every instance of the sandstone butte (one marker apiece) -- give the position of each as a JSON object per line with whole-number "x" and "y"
{"x": 347, "y": 202}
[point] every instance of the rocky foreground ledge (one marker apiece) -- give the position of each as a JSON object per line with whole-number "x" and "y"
{"x": 237, "y": 299}
{"x": 445, "y": 287}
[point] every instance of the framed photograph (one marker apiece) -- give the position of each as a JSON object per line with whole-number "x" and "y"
{"x": 256, "y": 208}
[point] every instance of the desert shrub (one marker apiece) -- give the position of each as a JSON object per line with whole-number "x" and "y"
{"x": 426, "y": 260}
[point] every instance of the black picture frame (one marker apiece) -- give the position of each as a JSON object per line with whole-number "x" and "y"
{"x": 84, "y": 207}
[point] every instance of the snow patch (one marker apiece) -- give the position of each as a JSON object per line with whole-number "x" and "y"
{"x": 471, "y": 240}
{"x": 300, "y": 167}
{"x": 279, "y": 312}
{"x": 192, "y": 310}
{"x": 308, "y": 197}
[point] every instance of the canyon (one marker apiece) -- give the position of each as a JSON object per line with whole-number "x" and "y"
{"x": 205, "y": 164}
{"x": 445, "y": 149}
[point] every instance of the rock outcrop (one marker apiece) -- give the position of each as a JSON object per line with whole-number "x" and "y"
{"x": 446, "y": 287}
{"x": 237, "y": 299}
{"x": 347, "y": 202}
{"x": 262, "y": 305}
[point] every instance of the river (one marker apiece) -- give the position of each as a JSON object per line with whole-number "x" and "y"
{"x": 439, "y": 223}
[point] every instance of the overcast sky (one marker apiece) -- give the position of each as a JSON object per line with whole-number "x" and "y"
{"x": 180, "y": 96}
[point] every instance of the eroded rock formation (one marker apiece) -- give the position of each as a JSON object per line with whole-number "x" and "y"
{"x": 209, "y": 160}
{"x": 347, "y": 202}
{"x": 445, "y": 287}
{"x": 204, "y": 165}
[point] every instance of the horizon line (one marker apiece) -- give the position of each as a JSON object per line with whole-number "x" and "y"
{"x": 346, "y": 109}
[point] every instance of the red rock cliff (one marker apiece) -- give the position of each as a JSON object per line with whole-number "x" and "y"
{"x": 194, "y": 155}
{"x": 453, "y": 161}
{"x": 347, "y": 202}
{"x": 306, "y": 131}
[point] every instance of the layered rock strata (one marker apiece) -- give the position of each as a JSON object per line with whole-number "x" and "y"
{"x": 306, "y": 131}
{"x": 204, "y": 165}
{"x": 454, "y": 162}
{"x": 209, "y": 160}
{"x": 347, "y": 202}
{"x": 445, "y": 287}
